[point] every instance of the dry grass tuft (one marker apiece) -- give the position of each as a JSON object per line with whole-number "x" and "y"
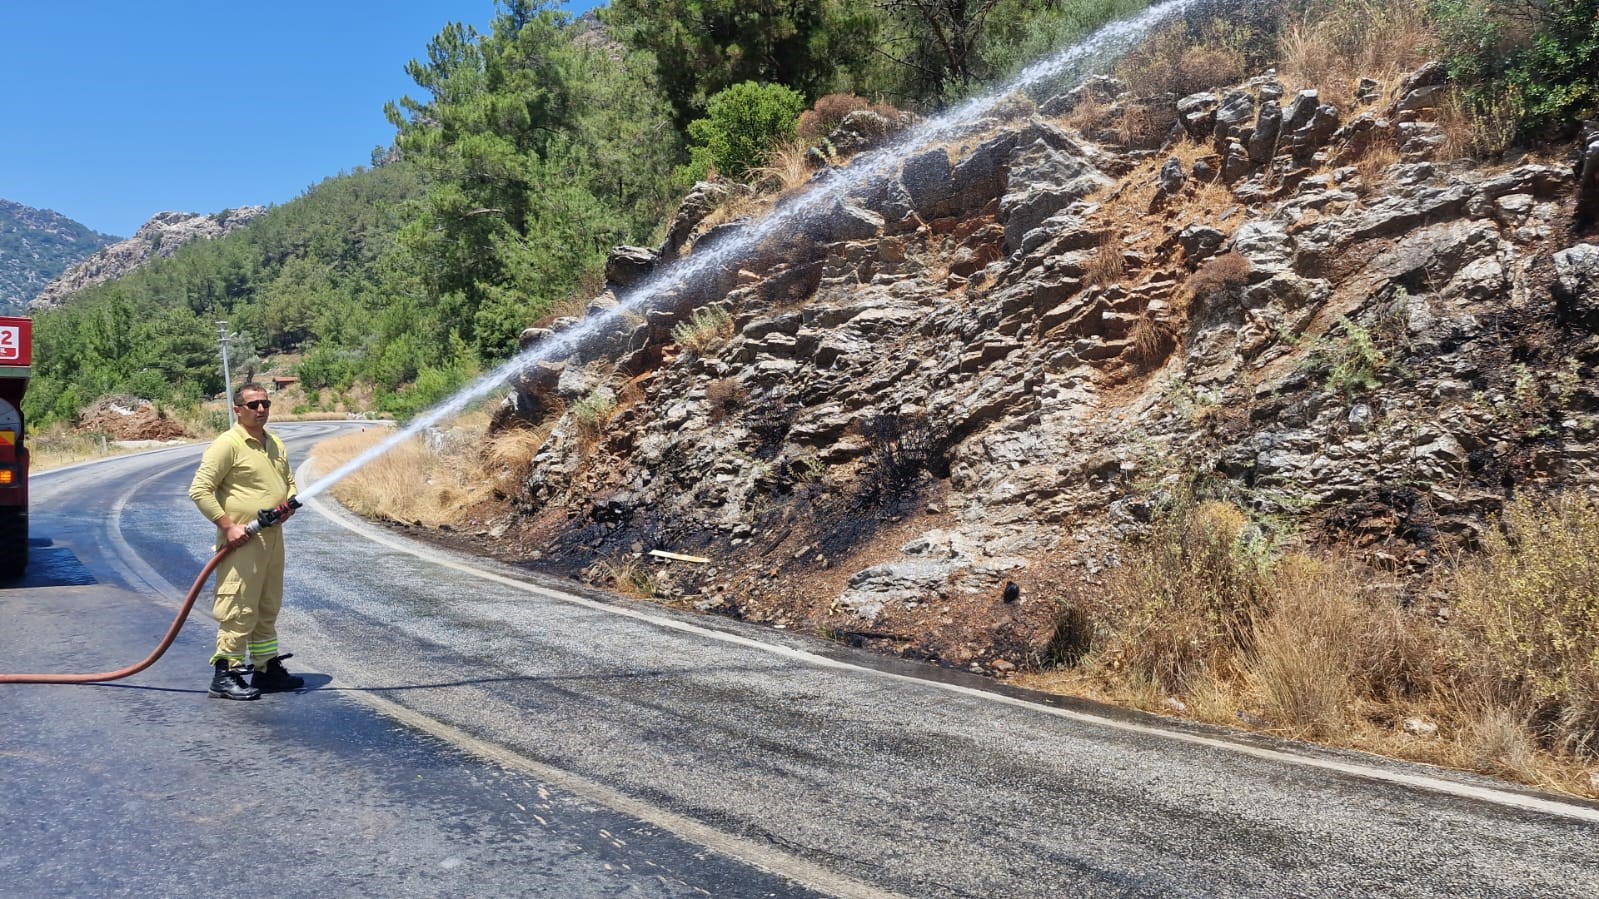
{"x": 629, "y": 576}
{"x": 1497, "y": 739}
{"x": 1338, "y": 43}
{"x": 1173, "y": 62}
{"x": 1204, "y": 609}
{"x": 829, "y": 111}
{"x": 1090, "y": 114}
{"x": 1374, "y": 163}
{"x": 425, "y": 482}
{"x": 1480, "y": 133}
{"x": 1108, "y": 264}
{"x": 1228, "y": 271}
{"x": 1304, "y": 665}
{"x": 725, "y": 396}
{"x": 508, "y": 455}
{"x": 1181, "y": 610}
{"x": 787, "y": 171}
{"x": 1152, "y": 341}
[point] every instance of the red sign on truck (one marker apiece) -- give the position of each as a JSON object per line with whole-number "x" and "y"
{"x": 16, "y": 341}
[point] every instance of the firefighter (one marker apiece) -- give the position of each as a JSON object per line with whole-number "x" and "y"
{"x": 246, "y": 469}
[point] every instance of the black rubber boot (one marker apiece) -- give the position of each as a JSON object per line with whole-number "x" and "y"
{"x": 274, "y": 678}
{"x": 228, "y": 683}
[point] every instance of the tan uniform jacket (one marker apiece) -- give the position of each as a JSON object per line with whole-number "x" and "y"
{"x": 240, "y": 476}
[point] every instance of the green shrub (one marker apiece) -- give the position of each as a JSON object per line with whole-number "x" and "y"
{"x": 1542, "y": 58}
{"x": 327, "y": 365}
{"x": 1531, "y": 608}
{"x": 1350, "y": 364}
{"x": 705, "y": 331}
{"x": 593, "y": 412}
{"x": 741, "y": 126}
{"x": 1182, "y": 606}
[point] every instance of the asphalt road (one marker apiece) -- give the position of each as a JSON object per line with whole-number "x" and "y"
{"x": 471, "y": 730}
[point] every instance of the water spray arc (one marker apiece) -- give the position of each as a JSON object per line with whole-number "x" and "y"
{"x": 821, "y": 196}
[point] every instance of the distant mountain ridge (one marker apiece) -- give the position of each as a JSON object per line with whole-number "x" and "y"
{"x": 36, "y": 246}
{"x": 160, "y": 236}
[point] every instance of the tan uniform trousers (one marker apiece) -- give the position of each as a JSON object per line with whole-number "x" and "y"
{"x": 249, "y": 594}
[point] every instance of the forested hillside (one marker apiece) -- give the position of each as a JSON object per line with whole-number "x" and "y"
{"x": 37, "y": 245}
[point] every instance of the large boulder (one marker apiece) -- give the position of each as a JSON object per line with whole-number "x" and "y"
{"x": 1042, "y": 181}
{"x": 626, "y": 266}
{"x": 1576, "y": 286}
{"x": 1587, "y": 172}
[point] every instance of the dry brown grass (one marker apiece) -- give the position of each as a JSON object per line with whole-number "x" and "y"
{"x": 411, "y": 483}
{"x": 573, "y": 305}
{"x": 1090, "y": 114}
{"x": 1228, "y": 271}
{"x": 1320, "y": 648}
{"x": 1484, "y": 133}
{"x": 1146, "y": 125}
{"x": 1340, "y": 42}
{"x": 786, "y": 172}
{"x": 1304, "y": 666}
{"x": 508, "y": 454}
{"x": 1374, "y": 163}
{"x": 739, "y": 206}
{"x": 829, "y": 111}
{"x": 58, "y": 451}
{"x": 629, "y": 576}
{"x": 1182, "y": 611}
{"x": 1530, "y": 607}
{"x": 1152, "y": 340}
{"x": 725, "y": 396}
{"x": 1173, "y": 62}
{"x": 1109, "y": 262}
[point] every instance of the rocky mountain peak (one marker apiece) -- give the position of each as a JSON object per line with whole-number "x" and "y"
{"x": 161, "y": 236}
{"x": 36, "y": 246}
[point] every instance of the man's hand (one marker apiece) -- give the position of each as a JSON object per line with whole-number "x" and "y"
{"x": 235, "y": 535}
{"x": 288, "y": 513}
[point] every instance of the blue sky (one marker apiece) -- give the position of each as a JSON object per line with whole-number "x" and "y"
{"x": 114, "y": 111}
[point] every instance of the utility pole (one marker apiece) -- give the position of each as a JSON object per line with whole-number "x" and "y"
{"x": 227, "y": 376}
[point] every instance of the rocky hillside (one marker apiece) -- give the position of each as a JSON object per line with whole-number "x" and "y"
{"x": 160, "y": 236}
{"x": 919, "y": 418}
{"x": 36, "y": 246}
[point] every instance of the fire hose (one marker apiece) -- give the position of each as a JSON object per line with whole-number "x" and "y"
{"x": 264, "y": 519}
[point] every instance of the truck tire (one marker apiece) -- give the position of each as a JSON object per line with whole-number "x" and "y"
{"x": 13, "y": 542}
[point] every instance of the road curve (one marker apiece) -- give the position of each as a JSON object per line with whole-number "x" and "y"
{"x": 783, "y": 763}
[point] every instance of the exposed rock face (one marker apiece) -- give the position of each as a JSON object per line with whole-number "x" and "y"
{"x": 988, "y": 370}
{"x": 160, "y": 236}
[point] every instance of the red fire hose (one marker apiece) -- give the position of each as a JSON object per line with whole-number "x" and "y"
{"x": 266, "y": 518}
{"x": 172, "y": 634}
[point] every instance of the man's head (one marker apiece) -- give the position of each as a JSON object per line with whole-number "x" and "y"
{"x": 251, "y": 406}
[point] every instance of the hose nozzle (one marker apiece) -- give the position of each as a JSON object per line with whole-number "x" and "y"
{"x": 267, "y": 518}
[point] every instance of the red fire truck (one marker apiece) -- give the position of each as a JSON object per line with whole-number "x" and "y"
{"x": 16, "y": 356}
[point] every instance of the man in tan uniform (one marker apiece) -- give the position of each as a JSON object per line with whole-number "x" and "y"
{"x": 244, "y": 471}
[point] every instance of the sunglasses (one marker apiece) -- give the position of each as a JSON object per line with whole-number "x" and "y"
{"x": 258, "y": 405}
